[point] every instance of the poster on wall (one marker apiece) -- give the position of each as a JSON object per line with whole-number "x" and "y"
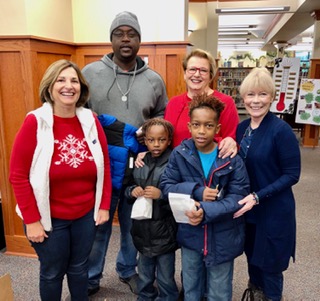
{"x": 308, "y": 108}
{"x": 286, "y": 78}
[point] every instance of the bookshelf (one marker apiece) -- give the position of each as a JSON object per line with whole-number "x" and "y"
{"x": 229, "y": 80}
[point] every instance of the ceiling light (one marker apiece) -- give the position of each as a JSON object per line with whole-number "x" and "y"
{"x": 233, "y": 39}
{"x": 233, "y": 29}
{"x": 256, "y": 42}
{"x": 226, "y": 27}
{"x": 256, "y": 10}
{"x": 307, "y": 40}
{"x": 231, "y": 43}
{"x": 236, "y": 33}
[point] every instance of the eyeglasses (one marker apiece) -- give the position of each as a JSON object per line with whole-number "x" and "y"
{"x": 119, "y": 34}
{"x": 193, "y": 70}
{"x": 260, "y": 95}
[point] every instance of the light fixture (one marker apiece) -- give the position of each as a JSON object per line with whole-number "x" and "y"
{"x": 233, "y": 39}
{"x": 230, "y": 29}
{"x": 253, "y": 10}
{"x": 235, "y": 27}
{"x": 307, "y": 40}
{"x": 231, "y": 43}
{"x": 236, "y": 33}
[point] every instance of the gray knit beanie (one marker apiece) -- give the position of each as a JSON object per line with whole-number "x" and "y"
{"x": 125, "y": 19}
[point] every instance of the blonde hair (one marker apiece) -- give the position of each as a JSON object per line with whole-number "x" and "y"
{"x": 258, "y": 78}
{"x": 204, "y": 55}
{"x": 50, "y": 77}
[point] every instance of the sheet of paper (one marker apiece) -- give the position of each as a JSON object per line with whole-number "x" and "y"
{"x": 180, "y": 203}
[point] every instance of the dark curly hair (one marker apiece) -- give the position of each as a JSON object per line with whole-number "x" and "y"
{"x": 158, "y": 121}
{"x": 206, "y": 101}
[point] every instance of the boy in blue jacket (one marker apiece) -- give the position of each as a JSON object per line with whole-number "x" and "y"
{"x": 212, "y": 238}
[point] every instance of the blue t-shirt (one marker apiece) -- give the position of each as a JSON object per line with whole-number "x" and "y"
{"x": 207, "y": 160}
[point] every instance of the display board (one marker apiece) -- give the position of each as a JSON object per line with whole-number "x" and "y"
{"x": 308, "y": 108}
{"x": 286, "y": 78}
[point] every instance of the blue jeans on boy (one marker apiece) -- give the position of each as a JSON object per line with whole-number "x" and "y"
{"x": 270, "y": 283}
{"x": 127, "y": 256}
{"x": 217, "y": 280}
{"x": 66, "y": 251}
{"x": 162, "y": 269}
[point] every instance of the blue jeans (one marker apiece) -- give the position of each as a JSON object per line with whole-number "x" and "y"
{"x": 217, "y": 280}
{"x": 270, "y": 283}
{"x": 66, "y": 251}
{"x": 127, "y": 256}
{"x": 162, "y": 269}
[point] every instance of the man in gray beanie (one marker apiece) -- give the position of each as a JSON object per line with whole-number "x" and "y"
{"x": 122, "y": 85}
{"x": 125, "y": 19}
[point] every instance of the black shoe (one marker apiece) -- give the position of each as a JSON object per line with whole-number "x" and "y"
{"x": 132, "y": 282}
{"x": 181, "y": 295}
{"x": 93, "y": 290}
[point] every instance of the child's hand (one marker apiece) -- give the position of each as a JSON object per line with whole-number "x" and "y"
{"x": 209, "y": 194}
{"x": 195, "y": 216}
{"x": 152, "y": 192}
{"x": 137, "y": 191}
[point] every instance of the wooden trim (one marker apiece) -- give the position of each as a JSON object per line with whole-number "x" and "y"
{"x": 23, "y": 61}
{"x": 310, "y": 136}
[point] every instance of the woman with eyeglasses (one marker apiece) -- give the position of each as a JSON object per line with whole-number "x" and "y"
{"x": 199, "y": 71}
{"x": 271, "y": 154}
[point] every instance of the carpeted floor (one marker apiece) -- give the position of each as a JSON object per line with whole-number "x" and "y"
{"x": 302, "y": 279}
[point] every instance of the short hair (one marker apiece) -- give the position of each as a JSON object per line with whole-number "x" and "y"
{"x": 50, "y": 76}
{"x": 206, "y": 101}
{"x": 158, "y": 121}
{"x": 204, "y": 55}
{"x": 258, "y": 78}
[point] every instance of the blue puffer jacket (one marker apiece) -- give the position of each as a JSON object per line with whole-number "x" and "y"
{"x": 122, "y": 144}
{"x": 225, "y": 235}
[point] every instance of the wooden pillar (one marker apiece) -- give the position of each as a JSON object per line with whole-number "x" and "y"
{"x": 310, "y": 136}
{"x": 23, "y": 61}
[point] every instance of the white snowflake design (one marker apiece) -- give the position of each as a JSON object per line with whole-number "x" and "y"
{"x": 73, "y": 151}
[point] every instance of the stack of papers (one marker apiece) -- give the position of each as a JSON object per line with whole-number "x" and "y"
{"x": 180, "y": 203}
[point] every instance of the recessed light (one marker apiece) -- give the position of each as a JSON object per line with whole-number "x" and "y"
{"x": 236, "y": 33}
{"x": 248, "y": 10}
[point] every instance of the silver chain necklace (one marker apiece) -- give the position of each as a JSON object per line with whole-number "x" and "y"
{"x": 124, "y": 95}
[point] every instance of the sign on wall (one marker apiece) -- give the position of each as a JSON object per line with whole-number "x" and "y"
{"x": 286, "y": 78}
{"x": 308, "y": 107}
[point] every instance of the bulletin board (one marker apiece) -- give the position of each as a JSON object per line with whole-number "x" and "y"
{"x": 308, "y": 107}
{"x": 286, "y": 78}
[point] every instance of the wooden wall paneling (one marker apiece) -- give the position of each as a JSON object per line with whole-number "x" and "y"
{"x": 311, "y": 132}
{"x": 169, "y": 58}
{"x": 88, "y": 53}
{"x": 23, "y": 61}
{"x": 16, "y": 99}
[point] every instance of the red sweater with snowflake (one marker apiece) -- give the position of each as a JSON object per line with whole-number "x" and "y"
{"x": 72, "y": 174}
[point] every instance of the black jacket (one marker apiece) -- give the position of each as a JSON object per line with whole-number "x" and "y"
{"x": 155, "y": 236}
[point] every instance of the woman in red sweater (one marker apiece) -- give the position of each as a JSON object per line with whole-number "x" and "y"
{"x": 60, "y": 173}
{"x": 199, "y": 71}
